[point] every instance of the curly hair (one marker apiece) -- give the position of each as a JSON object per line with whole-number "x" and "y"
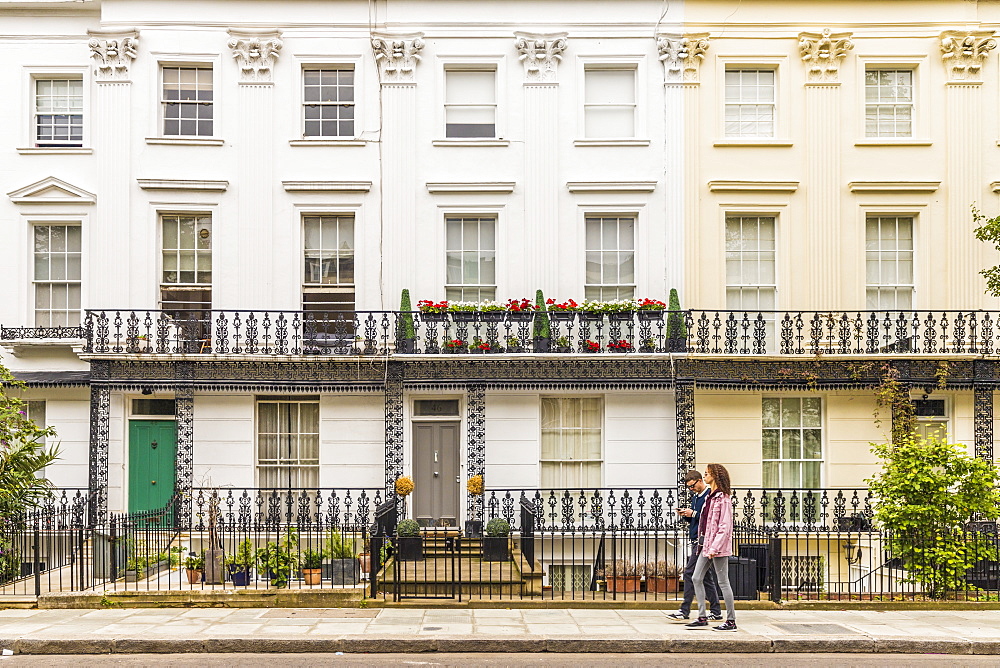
{"x": 720, "y": 477}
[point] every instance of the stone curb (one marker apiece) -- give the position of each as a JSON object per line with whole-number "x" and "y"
{"x": 720, "y": 643}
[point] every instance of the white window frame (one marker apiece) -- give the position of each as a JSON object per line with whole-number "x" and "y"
{"x": 636, "y": 210}
{"x": 614, "y": 62}
{"x": 496, "y": 254}
{"x": 307, "y": 62}
{"x": 824, "y": 448}
{"x": 748, "y": 213}
{"x": 498, "y": 211}
{"x": 921, "y": 221}
{"x": 782, "y": 99}
{"x": 912, "y": 102}
{"x": 496, "y": 62}
{"x": 50, "y": 221}
{"x": 338, "y": 288}
{"x": 913, "y": 258}
{"x": 32, "y": 74}
{"x": 160, "y": 60}
{"x": 604, "y": 434}
{"x": 455, "y": 68}
{"x": 921, "y": 99}
{"x": 592, "y": 213}
{"x": 288, "y": 399}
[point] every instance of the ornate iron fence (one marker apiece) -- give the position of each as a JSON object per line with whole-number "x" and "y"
{"x": 360, "y": 333}
{"x": 252, "y": 508}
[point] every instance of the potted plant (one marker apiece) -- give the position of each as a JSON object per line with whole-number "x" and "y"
{"x": 542, "y": 334}
{"x": 433, "y": 311}
{"x": 194, "y": 565}
{"x": 520, "y": 310}
{"x": 563, "y": 345}
{"x": 620, "y": 346}
{"x": 491, "y": 311}
{"x": 476, "y": 486}
{"x": 648, "y": 345}
{"x": 650, "y": 309}
{"x": 464, "y": 311}
{"x": 496, "y": 542}
{"x": 478, "y": 346}
{"x": 409, "y": 542}
{"x": 240, "y": 565}
{"x": 406, "y": 337}
{"x": 514, "y": 345}
{"x": 280, "y": 558}
{"x": 663, "y": 577}
{"x": 404, "y": 485}
{"x": 622, "y": 576}
{"x": 561, "y": 311}
{"x": 676, "y": 329}
{"x": 344, "y": 567}
{"x": 312, "y": 566}
{"x": 591, "y": 346}
{"x": 454, "y": 346}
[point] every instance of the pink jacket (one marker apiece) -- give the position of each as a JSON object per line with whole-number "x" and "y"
{"x": 717, "y": 530}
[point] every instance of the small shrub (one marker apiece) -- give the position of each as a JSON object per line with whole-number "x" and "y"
{"x": 497, "y": 528}
{"x": 541, "y": 330}
{"x": 404, "y": 485}
{"x": 312, "y": 559}
{"x": 194, "y": 562}
{"x": 623, "y": 569}
{"x": 339, "y": 547}
{"x": 408, "y": 529}
{"x": 475, "y": 485}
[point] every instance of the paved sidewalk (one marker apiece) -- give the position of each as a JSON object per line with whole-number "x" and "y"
{"x": 216, "y": 630}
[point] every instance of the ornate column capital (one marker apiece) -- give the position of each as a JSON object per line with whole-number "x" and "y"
{"x": 540, "y": 54}
{"x": 397, "y": 56}
{"x": 113, "y": 53}
{"x": 822, "y": 53}
{"x": 681, "y": 56}
{"x": 964, "y": 52}
{"x": 255, "y": 53}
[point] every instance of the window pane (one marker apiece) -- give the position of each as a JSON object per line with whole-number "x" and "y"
{"x": 609, "y": 86}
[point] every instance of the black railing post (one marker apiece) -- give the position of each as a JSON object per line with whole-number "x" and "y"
{"x": 774, "y": 566}
{"x": 37, "y": 566}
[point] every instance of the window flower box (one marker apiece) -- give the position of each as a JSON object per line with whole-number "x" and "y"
{"x": 520, "y": 316}
{"x": 492, "y": 316}
{"x": 464, "y": 316}
{"x": 650, "y": 316}
{"x": 620, "y": 316}
{"x": 591, "y": 316}
{"x": 434, "y": 317}
{"x": 561, "y": 316}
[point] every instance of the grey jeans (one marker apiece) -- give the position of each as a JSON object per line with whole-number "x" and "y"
{"x": 721, "y": 565}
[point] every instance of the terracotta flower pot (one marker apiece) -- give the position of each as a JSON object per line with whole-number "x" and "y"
{"x": 193, "y": 576}
{"x": 666, "y": 585}
{"x": 623, "y": 584}
{"x": 312, "y": 576}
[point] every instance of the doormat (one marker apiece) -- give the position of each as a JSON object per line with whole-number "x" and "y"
{"x": 806, "y": 629}
{"x": 321, "y": 613}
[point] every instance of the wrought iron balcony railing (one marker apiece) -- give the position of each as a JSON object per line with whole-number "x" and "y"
{"x": 703, "y": 332}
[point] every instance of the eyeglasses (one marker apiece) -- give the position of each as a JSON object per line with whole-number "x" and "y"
{"x": 691, "y": 483}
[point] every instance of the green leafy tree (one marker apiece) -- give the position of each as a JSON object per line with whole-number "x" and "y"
{"x": 926, "y": 491}
{"x": 541, "y": 317}
{"x": 23, "y": 454}
{"x": 676, "y": 329}
{"x": 988, "y": 231}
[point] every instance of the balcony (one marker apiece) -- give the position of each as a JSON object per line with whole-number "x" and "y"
{"x": 710, "y": 333}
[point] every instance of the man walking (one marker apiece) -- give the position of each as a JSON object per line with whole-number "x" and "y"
{"x": 691, "y": 515}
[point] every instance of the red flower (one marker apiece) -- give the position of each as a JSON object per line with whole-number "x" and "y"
{"x": 620, "y": 345}
{"x": 591, "y": 346}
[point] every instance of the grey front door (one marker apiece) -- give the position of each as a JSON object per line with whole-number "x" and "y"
{"x": 436, "y": 473}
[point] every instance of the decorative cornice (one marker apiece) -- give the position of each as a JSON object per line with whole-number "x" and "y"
{"x": 964, "y": 52}
{"x": 540, "y": 54}
{"x": 753, "y": 186}
{"x": 822, "y": 53}
{"x": 611, "y": 186}
{"x": 51, "y": 190}
{"x": 893, "y": 186}
{"x": 326, "y": 186}
{"x": 397, "y": 56}
{"x": 255, "y": 53}
{"x": 681, "y": 56}
{"x": 189, "y": 185}
{"x": 113, "y": 53}
{"x": 492, "y": 187}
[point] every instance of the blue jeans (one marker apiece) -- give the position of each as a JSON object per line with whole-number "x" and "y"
{"x": 712, "y": 588}
{"x": 721, "y": 565}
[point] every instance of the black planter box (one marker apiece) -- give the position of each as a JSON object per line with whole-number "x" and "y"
{"x": 406, "y": 346}
{"x": 561, "y": 316}
{"x": 651, "y": 315}
{"x": 473, "y": 528}
{"x": 464, "y": 316}
{"x": 542, "y": 344}
{"x": 621, "y": 316}
{"x": 410, "y": 548}
{"x": 342, "y": 571}
{"x": 434, "y": 317}
{"x": 521, "y": 316}
{"x": 496, "y": 548}
{"x": 492, "y": 316}
{"x": 240, "y": 575}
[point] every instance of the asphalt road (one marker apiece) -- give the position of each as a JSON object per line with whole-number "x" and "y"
{"x": 466, "y": 660}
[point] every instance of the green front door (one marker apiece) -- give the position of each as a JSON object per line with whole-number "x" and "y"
{"x": 152, "y": 463}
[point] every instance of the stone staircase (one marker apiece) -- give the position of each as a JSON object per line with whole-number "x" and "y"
{"x": 446, "y": 571}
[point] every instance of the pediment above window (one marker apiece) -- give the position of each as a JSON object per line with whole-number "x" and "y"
{"x": 52, "y": 191}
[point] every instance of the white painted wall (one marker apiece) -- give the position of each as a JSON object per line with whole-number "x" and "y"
{"x": 352, "y": 441}
{"x": 224, "y": 440}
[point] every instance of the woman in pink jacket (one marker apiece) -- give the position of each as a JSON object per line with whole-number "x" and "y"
{"x": 715, "y": 536}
